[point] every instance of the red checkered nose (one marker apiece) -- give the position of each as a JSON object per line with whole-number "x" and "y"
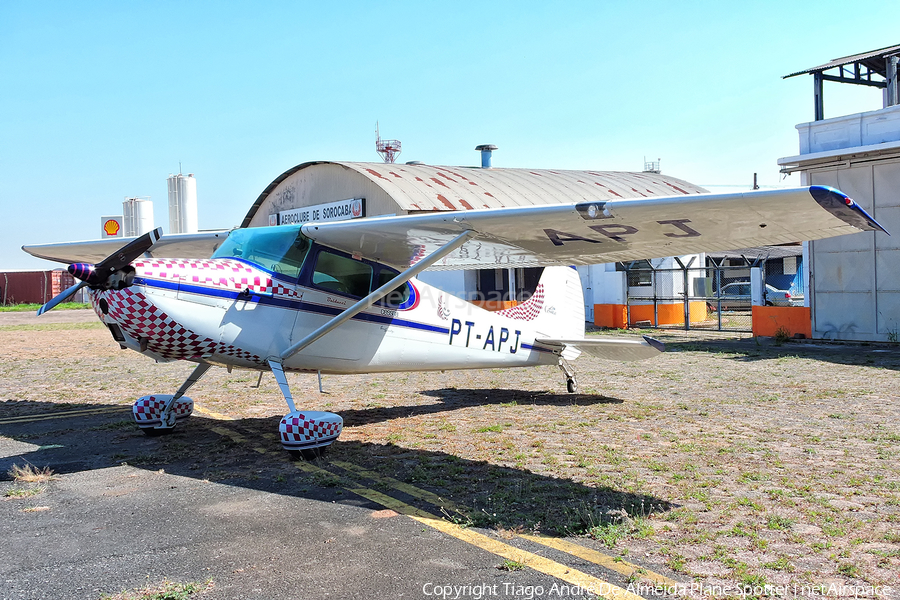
{"x": 143, "y": 312}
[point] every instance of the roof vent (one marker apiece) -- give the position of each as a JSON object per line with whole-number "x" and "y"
{"x": 486, "y": 150}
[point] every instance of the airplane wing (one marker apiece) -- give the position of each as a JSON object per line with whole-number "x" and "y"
{"x": 597, "y": 232}
{"x": 177, "y": 245}
{"x": 623, "y": 349}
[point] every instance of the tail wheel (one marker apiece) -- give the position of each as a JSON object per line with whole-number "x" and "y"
{"x": 154, "y": 432}
{"x": 309, "y": 454}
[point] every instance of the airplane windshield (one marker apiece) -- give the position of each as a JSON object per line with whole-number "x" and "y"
{"x": 279, "y": 249}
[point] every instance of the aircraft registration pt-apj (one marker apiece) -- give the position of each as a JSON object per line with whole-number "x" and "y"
{"x": 342, "y": 297}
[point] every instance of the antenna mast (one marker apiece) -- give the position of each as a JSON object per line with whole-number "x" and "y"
{"x": 387, "y": 149}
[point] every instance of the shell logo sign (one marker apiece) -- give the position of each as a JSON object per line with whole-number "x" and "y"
{"x": 111, "y": 227}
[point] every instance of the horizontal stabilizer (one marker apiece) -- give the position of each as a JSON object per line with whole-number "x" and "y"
{"x": 610, "y": 348}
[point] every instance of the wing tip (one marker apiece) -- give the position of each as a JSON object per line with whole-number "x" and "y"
{"x": 844, "y": 208}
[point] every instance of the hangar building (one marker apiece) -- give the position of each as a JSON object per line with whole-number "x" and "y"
{"x": 315, "y": 191}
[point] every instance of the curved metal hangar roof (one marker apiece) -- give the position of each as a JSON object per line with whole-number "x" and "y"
{"x": 391, "y": 189}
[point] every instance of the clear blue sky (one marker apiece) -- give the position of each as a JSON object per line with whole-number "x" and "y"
{"x": 101, "y": 100}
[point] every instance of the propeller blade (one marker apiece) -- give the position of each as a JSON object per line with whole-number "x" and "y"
{"x": 128, "y": 253}
{"x": 93, "y": 275}
{"x": 61, "y": 297}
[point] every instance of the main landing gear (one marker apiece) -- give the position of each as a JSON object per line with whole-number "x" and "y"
{"x": 569, "y": 372}
{"x": 305, "y": 433}
{"x": 302, "y": 433}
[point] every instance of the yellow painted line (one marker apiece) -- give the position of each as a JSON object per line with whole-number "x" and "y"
{"x": 212, "y": 413}
{"x": 236, "y": 437}
{"x": 413, "y": 491}
{"x": 533, "y": 561}
{"x": 538, "y": 563}
{"x": 598, "y": 558}
{"x": 61, "y": 414}
{"x": 588, "y": 554}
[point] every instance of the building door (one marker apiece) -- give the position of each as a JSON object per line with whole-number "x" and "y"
{"x": 587, "y": 288}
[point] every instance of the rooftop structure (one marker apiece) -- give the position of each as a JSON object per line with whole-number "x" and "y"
{"x": 876, "y": 68}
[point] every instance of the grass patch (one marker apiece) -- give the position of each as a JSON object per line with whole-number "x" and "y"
{"x": 167, "y": 590}
{"x": 744, "y": 501}
{"x": 31, "y": 307}
{"x": 779, "y": 523}
{"x": 748, "y": 476}
{"x": 848, "y": 569}
{"x": 490, "y": 428}
{"x": 510, "y": 565}
{"x": 781, "y": 564}
{"x": 611, "y": 533}
{"x": 54, "y": 326}
{"x": 18, "y": 493}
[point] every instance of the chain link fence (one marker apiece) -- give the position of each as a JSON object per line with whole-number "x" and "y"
{"x": 712, "y": 297}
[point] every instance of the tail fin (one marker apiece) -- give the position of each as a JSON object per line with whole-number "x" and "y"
{"x": 556, "y": 309}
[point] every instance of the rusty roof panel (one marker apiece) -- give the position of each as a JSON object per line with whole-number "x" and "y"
{"x": 427, "y": 187}
{"x": 419, "y": 188}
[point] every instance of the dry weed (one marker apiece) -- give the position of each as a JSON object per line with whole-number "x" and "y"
{"x": 28, "y": 473}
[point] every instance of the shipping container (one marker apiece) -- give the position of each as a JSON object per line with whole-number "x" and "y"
{"x": 20, "y": 287}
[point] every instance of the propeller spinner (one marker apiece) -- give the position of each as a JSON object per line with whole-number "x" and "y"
{"x": 108, "y": 273}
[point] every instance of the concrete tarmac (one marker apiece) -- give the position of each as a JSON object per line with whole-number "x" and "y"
{"x": 215, "y": 501}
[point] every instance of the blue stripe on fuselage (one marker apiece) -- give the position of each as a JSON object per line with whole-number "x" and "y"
{"x": 535, "y": 348}
{"x": 285, "y": 303}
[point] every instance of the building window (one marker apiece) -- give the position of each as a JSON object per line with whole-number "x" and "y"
{"x": 638, "y": 273}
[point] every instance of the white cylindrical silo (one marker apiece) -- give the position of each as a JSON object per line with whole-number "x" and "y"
{"x": 138, "y": 214}
{"x": 182, "y": 203}
{"x": 128, "y": 217}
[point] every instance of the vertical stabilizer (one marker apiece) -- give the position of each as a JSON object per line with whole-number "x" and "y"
{"x": 556, "y": 309}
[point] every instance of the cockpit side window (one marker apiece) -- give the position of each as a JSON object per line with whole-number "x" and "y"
{"x": 396, "y": 296}
{"x": 342, "y": 274}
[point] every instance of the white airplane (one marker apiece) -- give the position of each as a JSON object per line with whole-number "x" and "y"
{"x": 341, "y": 297}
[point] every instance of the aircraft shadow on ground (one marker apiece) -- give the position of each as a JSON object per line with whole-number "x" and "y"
{"x": 886, "y": 357}
{"x": 477, "y": 493}
{"x": 456, "y": 398}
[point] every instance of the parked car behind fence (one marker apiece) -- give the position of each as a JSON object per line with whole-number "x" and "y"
{"x": 736, "y": 296}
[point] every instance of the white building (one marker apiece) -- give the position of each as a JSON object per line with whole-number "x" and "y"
{"x": 854, "y": 287}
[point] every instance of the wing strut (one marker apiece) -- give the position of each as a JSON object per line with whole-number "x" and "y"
{"x": 278, "y": 372}
{"x": 378, "y": 294}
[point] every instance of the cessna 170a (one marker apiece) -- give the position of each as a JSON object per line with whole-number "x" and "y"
{"x": 342, "y": 297}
